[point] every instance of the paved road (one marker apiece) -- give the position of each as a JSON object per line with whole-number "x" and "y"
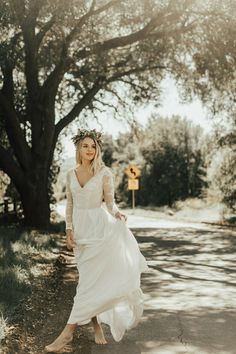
{"x": 190, "y": 296}
{"x": 190, "y": 291}
{"x": 139, "y": 221}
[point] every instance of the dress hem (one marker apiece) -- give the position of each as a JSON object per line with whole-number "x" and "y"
{"x": 107, "y": 308}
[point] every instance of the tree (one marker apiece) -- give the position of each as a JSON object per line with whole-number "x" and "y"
{"x": 59, "y": 59}
{"x": 209, "y": 70}
{"x": 222, "y": 171}
{"x": 108, "y": 147}
{"x": 174, "y": 161}
{"x": 127, "y": 152}
{"x": 171, "y": 155}
{"x": 213, "y": 79}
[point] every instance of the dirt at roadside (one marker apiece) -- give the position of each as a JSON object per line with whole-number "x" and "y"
{"x": 44, "y": 314}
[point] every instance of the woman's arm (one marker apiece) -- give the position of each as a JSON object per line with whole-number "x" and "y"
{"x": 69, "y": 210}
{"x": 69, "y": 204}
{"x": 108, "y": 192}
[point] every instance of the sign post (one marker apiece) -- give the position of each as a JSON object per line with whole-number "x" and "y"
{"x": 133, "y": 184}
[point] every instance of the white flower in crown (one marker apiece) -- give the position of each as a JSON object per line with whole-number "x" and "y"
{"x": 83, "y": 133}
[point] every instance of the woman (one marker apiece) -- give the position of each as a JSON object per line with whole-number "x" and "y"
{"x": 107, "y": 254}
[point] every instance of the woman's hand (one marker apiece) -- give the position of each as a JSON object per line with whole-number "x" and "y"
{"x": 119, "y": 216}
{"x": 70, "y": 241}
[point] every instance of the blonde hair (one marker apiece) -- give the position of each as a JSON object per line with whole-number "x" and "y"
{"x": 97, "y": 163}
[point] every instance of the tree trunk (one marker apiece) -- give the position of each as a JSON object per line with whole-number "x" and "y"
{"x": 35, "y": 201}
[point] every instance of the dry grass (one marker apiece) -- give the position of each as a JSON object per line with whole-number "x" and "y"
{"x": 22, "y": 253}
{"x": 191, "y": 209}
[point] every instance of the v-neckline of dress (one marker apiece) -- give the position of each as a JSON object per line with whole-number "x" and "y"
{"x": 76, "y": 176}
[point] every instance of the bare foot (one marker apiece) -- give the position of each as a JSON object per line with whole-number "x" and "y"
{"x": 59, "y": 343}
{"x": 99, "y": 335}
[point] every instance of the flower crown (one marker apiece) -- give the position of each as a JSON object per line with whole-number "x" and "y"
{"x": 83, "y": 133}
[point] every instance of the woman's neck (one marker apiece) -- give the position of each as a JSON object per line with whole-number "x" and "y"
{"x": 85, "y": 164}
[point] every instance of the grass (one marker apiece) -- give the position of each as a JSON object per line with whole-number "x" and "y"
{"x": 22, "y": 253}
{"x": 3, "y": 327}
{"x": 191, "y": 209}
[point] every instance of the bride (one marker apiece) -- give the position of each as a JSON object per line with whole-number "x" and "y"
{"x": 106, "y": 252}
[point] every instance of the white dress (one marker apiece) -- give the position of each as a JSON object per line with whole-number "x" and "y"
{"x": 107, "y": 255}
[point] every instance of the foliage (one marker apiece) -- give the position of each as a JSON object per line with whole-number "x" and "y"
{"x": 170, "y": 153}
{"x": 60, "y": 61}
{"x": 222, "y": 170}
{"x": 127, "y": 152}
{"x": 226, "y": 179}
{"x": 107, "y": 149}
{"x": 4, "y": 181}
{"x": 54, "y": 171}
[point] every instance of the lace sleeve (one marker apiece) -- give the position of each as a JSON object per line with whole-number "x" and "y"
{"x": 69, "y": 204}
{"x": 108, "y": 192}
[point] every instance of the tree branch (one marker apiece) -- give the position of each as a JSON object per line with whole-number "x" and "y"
{"x": 113, "y": 92}
{"x": 56, "y": 75}
{"x": 54, "y": 79}
{"x": 89, "y": 14}
{"x": 104, "y": 103}
{"x": 10, "y": 167}
{"x": 132, "y": 84}
{"x": 78, "y": 108}
{"x": 28, "y": 25}
{"x": 92, "y": 92}
{"x": 40, "y": 35}
{"x": 15, "y": 133}
{"x": 134, "y": 71}
{"x": 8, "y": 85}
{"x": 123, "y": 41}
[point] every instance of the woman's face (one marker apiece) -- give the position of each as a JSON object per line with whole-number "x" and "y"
{"x": 88, "y": 149}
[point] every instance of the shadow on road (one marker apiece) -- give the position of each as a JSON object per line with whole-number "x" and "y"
{"x": 190, "y": 299}
{"x": 190, "y": 291}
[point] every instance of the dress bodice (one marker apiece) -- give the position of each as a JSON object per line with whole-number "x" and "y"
{"x": 91, "y": 195}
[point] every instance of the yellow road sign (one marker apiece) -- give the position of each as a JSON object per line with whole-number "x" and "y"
{"x": 133, "y": 171}
{"x": 133, "y": 184}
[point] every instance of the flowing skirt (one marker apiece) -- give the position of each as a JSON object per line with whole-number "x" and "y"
{"x": 110, "y": 264}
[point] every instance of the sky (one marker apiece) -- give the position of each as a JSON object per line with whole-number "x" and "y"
{"x": 170, "y": 104}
